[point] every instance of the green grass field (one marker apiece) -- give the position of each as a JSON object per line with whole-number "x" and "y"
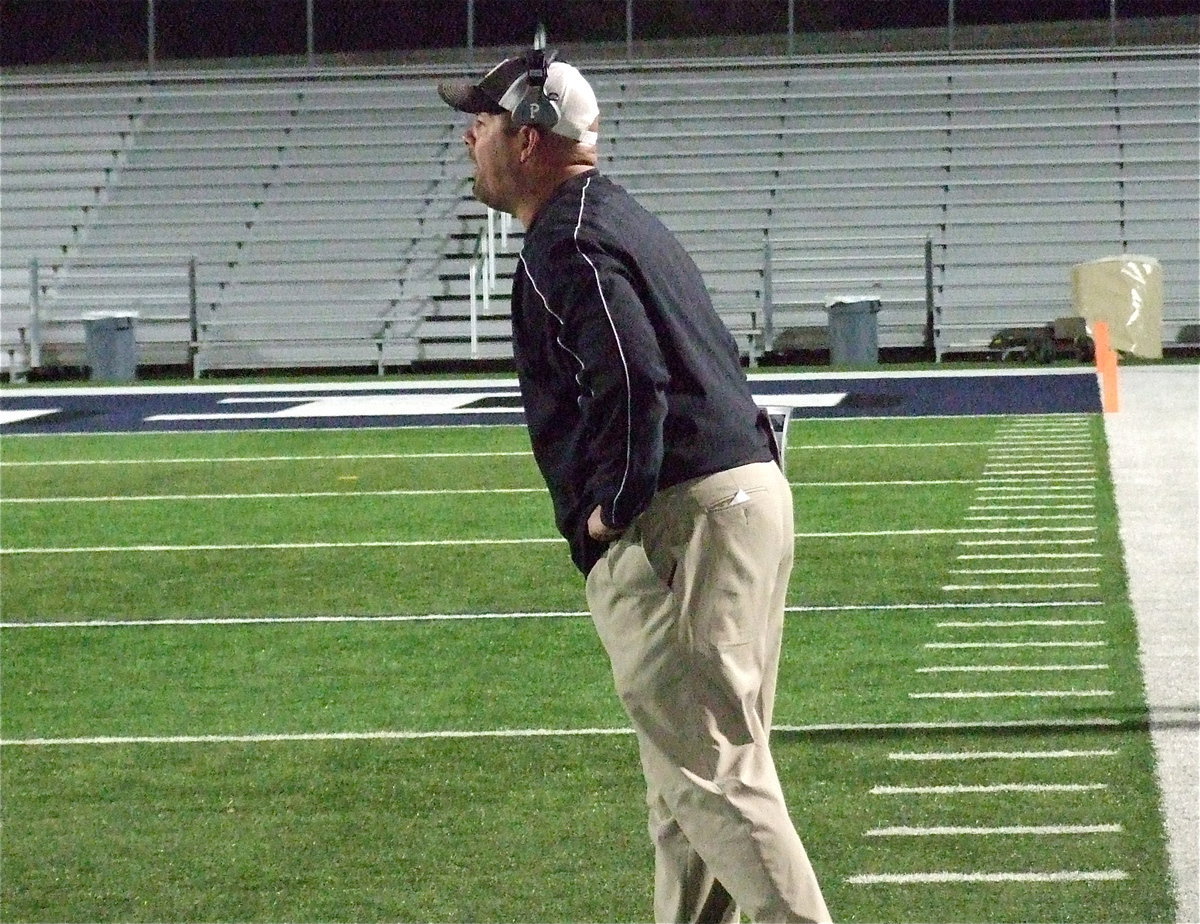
{"x": 346, "y": 676}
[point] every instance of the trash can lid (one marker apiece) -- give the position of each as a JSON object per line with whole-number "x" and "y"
{"x": 850, "y": 300}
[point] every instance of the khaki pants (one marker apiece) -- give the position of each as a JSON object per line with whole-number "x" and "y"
{"x": 689, "y": 606}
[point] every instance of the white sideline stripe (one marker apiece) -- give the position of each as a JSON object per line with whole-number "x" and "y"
{"x": 533, "y": 733}
{"x": 1007, "y": 668}
{"x": 985, "y": 788}
{"x": 1010, "y": 694}
{"x": 997, "y": 755}
{"x": 939, "y": 878}
{"x": 955, "y": 830}
{"x": 418, "y": 543}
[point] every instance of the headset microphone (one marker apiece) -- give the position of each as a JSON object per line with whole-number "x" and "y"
{"x": 538, "y": 108}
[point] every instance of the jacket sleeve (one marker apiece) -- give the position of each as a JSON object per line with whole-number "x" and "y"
{"x": 622, "y": 380}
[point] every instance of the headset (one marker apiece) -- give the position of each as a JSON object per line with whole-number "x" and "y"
{"x": 538, "y": 108}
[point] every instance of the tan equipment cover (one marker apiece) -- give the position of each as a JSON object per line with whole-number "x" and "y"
{"x": 1127, "y": 293}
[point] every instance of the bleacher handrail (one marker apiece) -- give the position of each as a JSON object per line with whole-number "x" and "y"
{"x": 912, "y": 269}
{"x": 73, "y": 289}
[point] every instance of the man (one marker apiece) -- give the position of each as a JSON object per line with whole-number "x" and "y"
{"x": 665, "y": 484}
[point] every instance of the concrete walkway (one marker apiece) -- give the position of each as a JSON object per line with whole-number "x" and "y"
{"x": 1153, "y": 450}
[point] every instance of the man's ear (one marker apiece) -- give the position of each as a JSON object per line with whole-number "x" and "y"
{"x": 531, "y": 137}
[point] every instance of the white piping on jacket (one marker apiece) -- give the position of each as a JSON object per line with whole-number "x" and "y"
{"x": 616, "y": 338}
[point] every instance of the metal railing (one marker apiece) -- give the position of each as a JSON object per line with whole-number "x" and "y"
{"x": 159, "y": 289}
{"x": 802, "y": 275}
{"x": 482, "y": 273}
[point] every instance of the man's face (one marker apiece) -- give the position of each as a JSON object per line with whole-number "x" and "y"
{"x": 494, "y": 150}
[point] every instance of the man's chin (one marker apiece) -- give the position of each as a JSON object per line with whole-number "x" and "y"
{"x": 485, "y": 197}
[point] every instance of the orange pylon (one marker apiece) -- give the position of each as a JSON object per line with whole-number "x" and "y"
{"x": 1106, "y": 367}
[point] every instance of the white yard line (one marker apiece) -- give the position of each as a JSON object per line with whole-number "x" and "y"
{"x": 953, "y": 645}
{"x": 986, "y": 789}
{"x": 1024, "y": 571}
{"x": 266, "y": 495}
{"x": 273, "y": 546}
{"x": 417, "y": 543}
{"x": 320, "y": 457}
{"x": 1028, "y": 517}
{"x": 233, "y": 496}
{"x": 1029, "y": 555}
{"x": 389, "y": 735}
{"x": 936, "y": 756}
{"x": 983, "y": 542}
{"x": 946, "y": 878}
{"x": 1011, "y": 694}
{"x": 549, "y": 614}
{"x": 1032, "y": 507}
{"x": 959, "y": 830}
{"x": 1065, "y": 585}
{"x": 1018, "y": 623}
{"x": 1007, "y": 668}
{"x": 221, "y": 460}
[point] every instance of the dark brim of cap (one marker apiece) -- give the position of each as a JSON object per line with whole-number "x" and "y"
{"x": 466, "y": 97}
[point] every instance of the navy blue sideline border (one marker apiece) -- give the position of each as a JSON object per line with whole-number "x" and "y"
{"x": 214, "y": 407}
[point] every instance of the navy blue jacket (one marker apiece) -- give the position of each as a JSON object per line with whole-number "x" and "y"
{"x": 630, "y": 381}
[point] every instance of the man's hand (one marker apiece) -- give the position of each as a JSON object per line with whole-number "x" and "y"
{"x": 598, "y": 531}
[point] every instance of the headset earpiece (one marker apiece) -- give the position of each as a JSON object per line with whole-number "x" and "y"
{"x": 538, "y": 108}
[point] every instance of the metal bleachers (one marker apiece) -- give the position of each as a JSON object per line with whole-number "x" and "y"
{"x": 314, "y": 213}
{"x": 1012, "y": 171}
{"x": 330, "y": 220}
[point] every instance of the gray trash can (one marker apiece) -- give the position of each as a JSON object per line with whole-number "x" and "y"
{"x": 853, "y": 331}
{"x": 111, "y": 346}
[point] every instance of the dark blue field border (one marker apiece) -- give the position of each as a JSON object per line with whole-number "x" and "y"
{"x": 131, "y": 409}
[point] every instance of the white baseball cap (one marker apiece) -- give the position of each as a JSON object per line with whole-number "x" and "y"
{"x": 504, "y": 87}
